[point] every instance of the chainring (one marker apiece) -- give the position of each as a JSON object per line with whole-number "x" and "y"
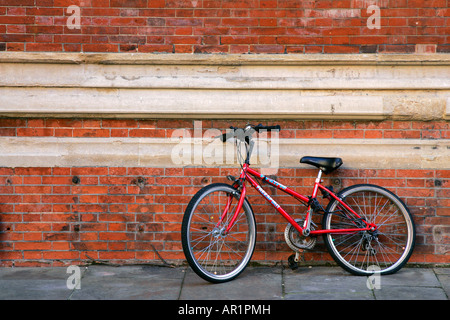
{"x": 295, "y": 240}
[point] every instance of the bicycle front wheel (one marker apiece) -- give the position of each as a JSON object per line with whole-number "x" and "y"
{"x": 384, "y": 250}
{"x": 214, "y": 255}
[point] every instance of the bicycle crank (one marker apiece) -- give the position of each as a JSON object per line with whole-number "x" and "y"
{"x": 296, "y": 241}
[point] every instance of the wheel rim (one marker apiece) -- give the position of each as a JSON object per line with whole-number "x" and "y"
{"x": 382, "y": 250}
{"x": 217, "y": 254}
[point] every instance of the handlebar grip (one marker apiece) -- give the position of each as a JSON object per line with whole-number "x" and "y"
{"x": 277, "y": 127}
{"x": 240, "y": 134}
{"x": 268, "y": 128}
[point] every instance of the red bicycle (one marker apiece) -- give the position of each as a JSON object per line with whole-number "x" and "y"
{"x": 366, "y": 228}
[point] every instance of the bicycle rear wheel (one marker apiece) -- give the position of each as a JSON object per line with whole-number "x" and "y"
{"x": 385, "y": 250}
{"x": 214, "y": 255}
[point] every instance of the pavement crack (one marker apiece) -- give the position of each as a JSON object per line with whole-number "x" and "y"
{"x": 182, "y": 283}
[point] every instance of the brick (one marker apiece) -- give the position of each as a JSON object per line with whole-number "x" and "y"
{"x": 96, "y": 133}
{"x": 129, "y": 3}
{"x": 429, "y": 4}
{"x": 33, "y": 171}
{"x": 232, "y": 22}
{"x": 44, "y": 47}
{"x": 402, "y": 134}
{"x": 33, "y": 189}
{"x": 183, "y": 22}
{"x": 32, "y": 246}
{"x": 345, "y": 134}
{"x": 341, "y": 49}
{"x": 238, "y": 39}
{"x": 210, "y": 49}
{"x": 415, "y": 173}
{"x": 127, "y": 21}
{"x": 267, "y": 48}
{"x": 100, "y": 48}
{"x": 150, "y": 132}
{"x": 155, "y": 48}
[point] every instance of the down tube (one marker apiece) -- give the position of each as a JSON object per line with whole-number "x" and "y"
{"x": 274, "y": 204}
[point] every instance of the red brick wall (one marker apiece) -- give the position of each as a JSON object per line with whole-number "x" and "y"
{"x": 225, "y": 26}
{"x": 119, "y": 214}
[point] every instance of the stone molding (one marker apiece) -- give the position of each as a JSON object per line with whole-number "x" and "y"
{"x": 360, "y": 86}
{"x": 224, "y": 59}
{"x": 157, "y": 152}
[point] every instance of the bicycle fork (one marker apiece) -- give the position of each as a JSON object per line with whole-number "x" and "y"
{"x": 236, "y": 211}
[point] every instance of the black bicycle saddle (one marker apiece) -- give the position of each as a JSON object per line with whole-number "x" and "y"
{"x": 327, "y": 165}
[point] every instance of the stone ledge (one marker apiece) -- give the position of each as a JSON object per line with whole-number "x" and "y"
{"x": 246, "y": 77}
{"x": 363, "y": 86}
{"x": 186, "y": 103}
{"x": 222, "y": 59}
{"x": 157, "y": 152}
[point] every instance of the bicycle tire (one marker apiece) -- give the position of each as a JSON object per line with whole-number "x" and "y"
{"x": 212, "y": 255}
{"x": 384, "y": 251}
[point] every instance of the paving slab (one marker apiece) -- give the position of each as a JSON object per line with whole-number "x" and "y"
{"x": 410, "y": 293}
{"x": 411, "y": 277}
{"x": 441, "y": 270}
{"x": 34, "y": 284}
{"x": 255, "y": 283}
{"x": 130, "y": 283}
{"x": 411, "y": 284}
{"x": 325, "y": 283}
{"x": 443, "y": 275}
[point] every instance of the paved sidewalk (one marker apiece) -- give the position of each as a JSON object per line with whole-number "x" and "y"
{"x": 100, "y": 282}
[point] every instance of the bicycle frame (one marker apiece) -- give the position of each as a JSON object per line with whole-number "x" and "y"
{"x": 246, "y": 175}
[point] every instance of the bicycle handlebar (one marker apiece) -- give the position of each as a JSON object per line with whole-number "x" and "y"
{"x": 248, "y": 131}
{"x": 268, "y": 128}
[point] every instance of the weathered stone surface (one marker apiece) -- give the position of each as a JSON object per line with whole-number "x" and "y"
{"x": 362, "y": 86}
{"x": 159, "y": 152}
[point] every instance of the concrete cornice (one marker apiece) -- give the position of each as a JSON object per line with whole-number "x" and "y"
{"x": 361, "y": 86}
{"x": 173, "y": 152}
{"x": 221, "y": 59}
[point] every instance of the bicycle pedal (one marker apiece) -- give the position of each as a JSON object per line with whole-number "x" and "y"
{"x": 231, "y": 178}
{"x": 293, "y": 265}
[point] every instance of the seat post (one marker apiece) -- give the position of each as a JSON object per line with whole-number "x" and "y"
{"x": 319, "y": 176}
{"x": 307, "y": 224}
{"x": 316, "y": 185}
